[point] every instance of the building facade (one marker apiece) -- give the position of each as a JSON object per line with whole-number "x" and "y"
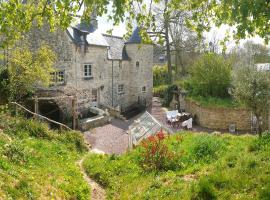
{"x": 99, "y": 69}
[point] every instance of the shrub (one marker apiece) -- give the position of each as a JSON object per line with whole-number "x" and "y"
{"x": 210, "y": 76}
{"x": 203, "y": 191}
{"x": 4, "y": 92}
{"x": 160, "y": 75}
{"x": 159, "y": 91}
{"x": 156, "y": 154}
{"x": 17, "y": 153}
{"x": 33, "y": 128}
{"x": 260, "y": 143}
{"x": 75, "y": 138}
{"x": 206, "y": 147}
{"x": 264, "y": 193}
{"x": 168, "y": 95}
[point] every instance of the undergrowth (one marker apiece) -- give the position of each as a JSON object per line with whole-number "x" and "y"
{"x": 38, "y": 163}
{"x": 210, "y": 167}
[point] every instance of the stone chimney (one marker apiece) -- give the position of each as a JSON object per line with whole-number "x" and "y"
{"x": 93, "y": 19}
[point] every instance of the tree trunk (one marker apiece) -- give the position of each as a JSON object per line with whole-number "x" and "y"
{"x": 167, "y": 41}
{"x": 259, "y": 125}
{"x": 176, "y": 62}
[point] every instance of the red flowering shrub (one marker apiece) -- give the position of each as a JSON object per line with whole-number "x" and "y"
{"x": 156, "y": 154}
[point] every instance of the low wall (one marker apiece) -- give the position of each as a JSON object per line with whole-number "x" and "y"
{"x": 113, "y": 111}
{"x": 220, "y": 118}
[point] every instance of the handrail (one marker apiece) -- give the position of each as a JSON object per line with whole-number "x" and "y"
{"x": 41, "y": 116}
{"x": 52, "y": 98}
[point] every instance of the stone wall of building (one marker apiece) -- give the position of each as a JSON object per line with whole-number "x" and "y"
{"x": 220, "y": 118}
{"x": 142, "y": 75}
{"x": 107, "y": 74}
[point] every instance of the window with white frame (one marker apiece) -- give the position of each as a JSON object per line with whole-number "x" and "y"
{"x": 143, "y": 89}
{"x": 58, "y": 77}
{"x": 87, "y": 70}
{"x": 121, "y": 89}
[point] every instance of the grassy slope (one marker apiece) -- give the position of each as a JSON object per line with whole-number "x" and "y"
{"x": 212, "y": 167}
{"x": 39, "y": 164}
{"x": 214, "y": 102}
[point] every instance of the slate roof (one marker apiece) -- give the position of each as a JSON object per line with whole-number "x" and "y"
{"x": 135, "y": 37}
{"x": 117, "y": 49}
{"x": 86, "y": 33}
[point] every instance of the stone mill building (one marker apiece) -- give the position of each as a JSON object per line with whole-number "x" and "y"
{"x": 100, "y": 70}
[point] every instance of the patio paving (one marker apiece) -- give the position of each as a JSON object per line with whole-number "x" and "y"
{"x": 110, "y": 139}
{"x": 113, "y": 138}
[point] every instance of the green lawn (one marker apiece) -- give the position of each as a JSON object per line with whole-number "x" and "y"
{"x": 36, "y": 163}
{"x": 210, "y": 167}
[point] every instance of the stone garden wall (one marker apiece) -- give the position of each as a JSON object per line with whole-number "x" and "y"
{"x": 219, "y": 118}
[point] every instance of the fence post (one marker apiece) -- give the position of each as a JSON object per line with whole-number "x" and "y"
{"x": 36, "y": 106}
{"x": 16, "y": 110}
{"x": 74, "y": 112}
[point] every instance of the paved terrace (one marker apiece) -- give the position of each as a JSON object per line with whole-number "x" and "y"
{"x": 113, "y": 138}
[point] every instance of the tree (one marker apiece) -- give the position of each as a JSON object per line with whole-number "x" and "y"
{"x": 252, "y": 88}
{"x": 248, "y": 17}
{"x": 160, "y": 31}
{"x": 27, "y": 70}
{"x": 258, "y": 53}
{"x": 210, "y": 76}
{"x": 185, "y": 43}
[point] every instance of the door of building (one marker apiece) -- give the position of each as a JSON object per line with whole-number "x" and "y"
{"x": 95, "y": 98}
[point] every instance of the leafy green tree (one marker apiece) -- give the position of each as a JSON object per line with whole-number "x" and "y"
{"x": 248, "y": 17}
{"x": 210, "y": 76}
{"x": 3, "y": 85}
{"x": 27, "y": 70}
{"x": 252, "y": 88}
{"x": 160, "y": 75}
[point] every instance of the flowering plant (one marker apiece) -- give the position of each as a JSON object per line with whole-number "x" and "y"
{"x": 156, "y": 154}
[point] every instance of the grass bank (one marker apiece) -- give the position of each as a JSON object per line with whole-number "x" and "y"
{"x": 208, "y": 167}
{"x": 214, "y": 102}
{"x": 37, "y": 163}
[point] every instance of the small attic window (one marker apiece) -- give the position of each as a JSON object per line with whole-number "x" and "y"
{"x": 120, "y": 64}
{"x": 137, "y": 64}
{"x": 143, "y": 89}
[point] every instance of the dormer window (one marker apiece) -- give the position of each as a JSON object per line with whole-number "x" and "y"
{"x": 87, "y": 71}
{"x": 137, "y": 64}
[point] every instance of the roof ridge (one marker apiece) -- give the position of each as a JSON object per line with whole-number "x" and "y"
{"x": 115, "y": 36}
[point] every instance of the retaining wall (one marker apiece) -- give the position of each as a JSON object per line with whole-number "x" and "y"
{"x": 220, "y": 118}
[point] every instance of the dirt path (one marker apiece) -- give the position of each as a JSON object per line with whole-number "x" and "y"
{"x": 97, "y": 192}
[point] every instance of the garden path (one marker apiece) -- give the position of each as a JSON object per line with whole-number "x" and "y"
{"x": 97, "y": 192}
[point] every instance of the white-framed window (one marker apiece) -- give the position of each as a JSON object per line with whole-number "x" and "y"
{"x": 143, "y": 89}
{"x": 137, "y": 64}
{"x": 121, "y": 89}
{"x": 87, "y": 71}
{"x": 58, "y": 77}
